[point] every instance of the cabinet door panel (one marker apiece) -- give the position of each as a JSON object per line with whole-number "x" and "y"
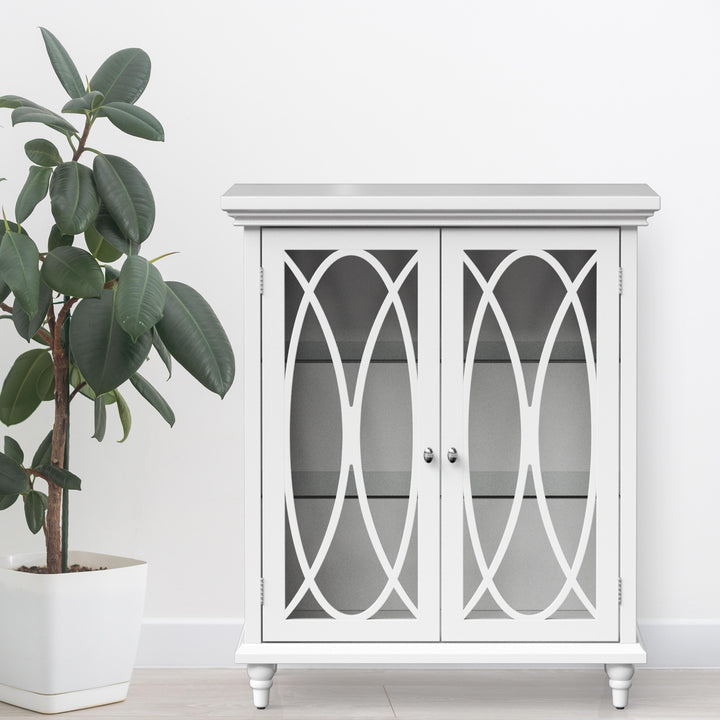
{"x": 350, "y": 370}
{"x": 530, "y": 358}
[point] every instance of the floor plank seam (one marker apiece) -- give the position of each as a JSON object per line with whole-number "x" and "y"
{"x": 387, "y": 695}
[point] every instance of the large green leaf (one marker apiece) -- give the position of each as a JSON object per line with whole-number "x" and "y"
{"x": 19, "y": 395}
{"x": 35, "y": 506}
{"x": 33, "y": 191}
{"x": 73, "y": 271}
{"x": 99, "y": 247}
{"x": 112, "y": 234}
{"x": 13, "y": 450}
{"x": 196, "y": 339}
{"x": 43, "y": 453}
{"x": 134, "y": 120}
{"x": 19, "y": 259}
{"x": 28, "y": 325}
{"x": 100, "y": 416}
{"x": 87, "y": 103}
{"x": 12, "y": 476}
{"x": 104, "y": 354}
{"x": 42, "y": 152}
{"x": 162, "y": 351}
{"x": 126, "y": 195}
{"x": 42, "y": 115}
{"x": 63, "y": 65}
{"x": 153, "y": 397}
{"x": 123, "y": 76}
{"x": 73, "y": 198}
{"x": 141, "y": 296}
{"x": 15, "y": 101}
{"x": 61, "y": 477}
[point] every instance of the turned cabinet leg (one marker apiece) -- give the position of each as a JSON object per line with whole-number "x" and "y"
{"x": 620, "y": 681}
{"x": 261, "y": 677}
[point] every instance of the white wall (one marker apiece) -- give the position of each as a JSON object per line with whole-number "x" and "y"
{"x": 315, "y": 91}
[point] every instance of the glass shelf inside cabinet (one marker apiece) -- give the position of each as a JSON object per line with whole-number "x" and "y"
{"x": 488, "y": 351}
{"x": 529, "y": 351}
{"x": 324, "y": 484}
{"x": 351, "y": 351}
{"x": 384, "y": 484}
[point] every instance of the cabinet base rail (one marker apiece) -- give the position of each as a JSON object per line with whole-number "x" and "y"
{"x": 619, "y": 659}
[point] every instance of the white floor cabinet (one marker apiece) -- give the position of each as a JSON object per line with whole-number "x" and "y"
{"x": 440, "y": 425}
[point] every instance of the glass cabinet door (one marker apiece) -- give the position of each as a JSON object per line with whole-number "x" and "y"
{"x": 350, "y": 373}
{"x": 530, "y": 372}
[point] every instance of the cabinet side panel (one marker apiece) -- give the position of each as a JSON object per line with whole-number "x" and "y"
{"x": 628, "y": 434}
{"x": 252, "y": 435}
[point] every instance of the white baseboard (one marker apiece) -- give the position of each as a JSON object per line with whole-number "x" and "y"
{"x": 189, "y": 642}
{"x": 682, "y": 643}
{"x": 211, "y": 642}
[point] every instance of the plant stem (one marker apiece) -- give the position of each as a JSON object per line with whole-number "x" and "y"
{"x": 63, "y": 314}
{"x": 65, "y": 342}
{"x": 83, "y": 139}
{"x": 55, "y": 526}
{"x": 79, "y": 387}
{"x": 53, "y": 535}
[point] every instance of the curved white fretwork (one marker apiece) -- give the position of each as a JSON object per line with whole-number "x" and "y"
{"x": 530, "y": 426}
{"x": 351, "y": 411}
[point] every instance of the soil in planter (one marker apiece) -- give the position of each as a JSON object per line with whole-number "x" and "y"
{"x": 38, "y": 570}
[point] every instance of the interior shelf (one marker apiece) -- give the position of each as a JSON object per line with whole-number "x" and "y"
{"x": 389, "y": 351}
{"x": 485, "y": 485}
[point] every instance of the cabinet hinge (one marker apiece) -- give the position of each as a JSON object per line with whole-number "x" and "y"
{"x": 619, "y": 591}
{"x": 620, "y": 280}
{"x": 262, "y": 591}
{"x": 262, "y": 280}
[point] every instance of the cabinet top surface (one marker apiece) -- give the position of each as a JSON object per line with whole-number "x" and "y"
{"x": 436, "y": 203}
{"x": 438, "y": 190}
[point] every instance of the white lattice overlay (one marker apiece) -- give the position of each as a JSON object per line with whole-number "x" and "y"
{"x": 529, "y": 406}
{"x": 351, "y": 458}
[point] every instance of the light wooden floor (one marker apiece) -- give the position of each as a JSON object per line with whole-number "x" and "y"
{"x": 566, "y": 694}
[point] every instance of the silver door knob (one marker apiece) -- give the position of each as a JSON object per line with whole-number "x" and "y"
{"x": 452, "y": 455}
{"x": 428, "y": 455}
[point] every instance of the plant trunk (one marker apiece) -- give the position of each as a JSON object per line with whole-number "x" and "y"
{"x": 65, "y": 342}
{"x": 53, "y": 537}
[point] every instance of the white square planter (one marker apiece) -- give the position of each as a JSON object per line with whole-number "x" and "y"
{"x": 69, "y": 641}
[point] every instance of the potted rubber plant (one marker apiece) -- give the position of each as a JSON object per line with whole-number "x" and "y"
{"x": 93, "y": 308}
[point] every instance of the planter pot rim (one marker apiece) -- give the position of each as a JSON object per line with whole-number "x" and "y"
{"x": 80, "y": 557}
